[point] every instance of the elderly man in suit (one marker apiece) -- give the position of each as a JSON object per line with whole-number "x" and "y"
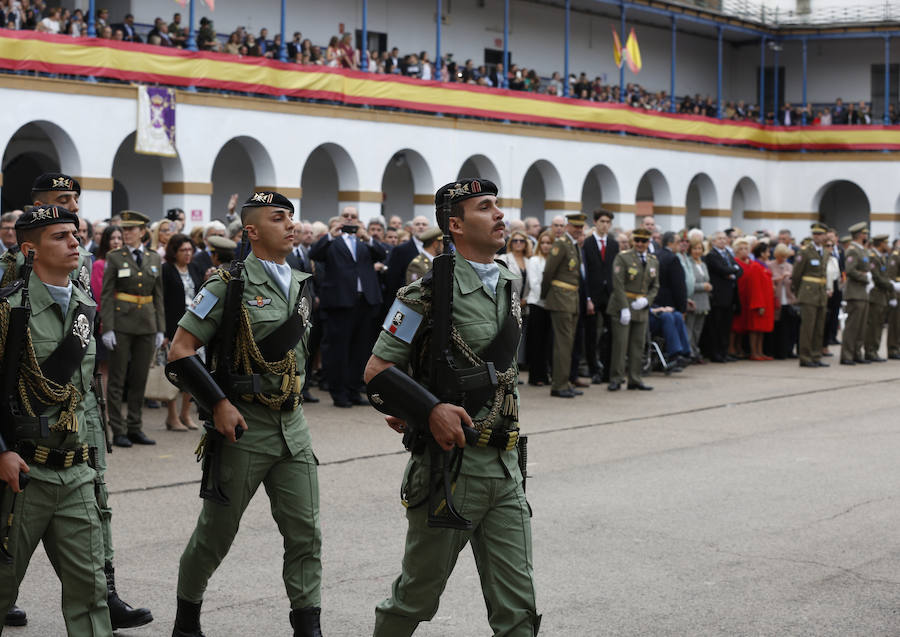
{"x": 723, "y": 274}
{"x": 299, "y": 260}
{"x": 351, "y": 297}
{"x": 599, "y": 249}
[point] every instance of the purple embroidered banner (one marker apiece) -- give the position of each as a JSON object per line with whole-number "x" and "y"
{"x": 156, "y": 121}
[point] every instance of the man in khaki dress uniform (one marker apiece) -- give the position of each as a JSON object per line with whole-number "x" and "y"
{"x": 808, "y": 285}
{"x": 859, "y": 276}
{"x": 421, "y": 265}
{"x": 132, "y": 318}
{"x": 879, "y": 297}
{"x": 559, "y": 291}
{"x": 893, "y": 274}
{"x": 635, "y": 284}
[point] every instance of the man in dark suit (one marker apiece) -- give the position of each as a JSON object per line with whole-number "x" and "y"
{"x": 127, "y": 28}
{"x": 201, "y": 262}
{"x": 648, "y": 223}
{"x": 723, "y": 275}
{"x": 600, "y": 248}
{"x": 351, "y": 296}
{"x": 299, "y": 260}
{"x": 672, "y": 286}
{"x": 401, "y": 257}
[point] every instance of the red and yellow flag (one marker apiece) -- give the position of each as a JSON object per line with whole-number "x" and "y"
{"x": 632, "y": 53}
{"x": 617, "y": 49}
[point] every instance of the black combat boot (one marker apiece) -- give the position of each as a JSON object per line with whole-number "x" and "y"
{"x": 306, "y": 622}
{"x": 15, "y": 616}
{"x": 187, "y": 620}
{"x": 121, "y": 614}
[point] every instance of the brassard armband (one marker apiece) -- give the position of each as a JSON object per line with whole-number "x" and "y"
{"x": 190, "y": 375}
{"x": 396, "y": 394}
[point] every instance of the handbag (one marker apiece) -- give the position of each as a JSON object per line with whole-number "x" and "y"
{"x": 158, "y": 386}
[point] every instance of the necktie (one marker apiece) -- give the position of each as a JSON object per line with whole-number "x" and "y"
{"x": 139, "y": 258}
{"x": 643, "y": 258}
{"x": 603, "y": 248}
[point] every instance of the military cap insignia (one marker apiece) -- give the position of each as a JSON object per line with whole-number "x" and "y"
{"x": 303, "y": 309}
{"x": 61, "y": 182}
{"x": 82, "y": 329}
{"x": 262, "y": 197}
{"x": 459, "y": 190}
{"x": 259, "y": 302}
{"x": 40, "y": 214}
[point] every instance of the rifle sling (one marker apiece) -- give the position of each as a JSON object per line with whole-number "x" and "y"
{"x": 285, "y": 337}
{"x": 66, "y": 358}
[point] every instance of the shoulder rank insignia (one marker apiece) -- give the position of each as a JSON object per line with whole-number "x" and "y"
{"x": 259, "y": 302}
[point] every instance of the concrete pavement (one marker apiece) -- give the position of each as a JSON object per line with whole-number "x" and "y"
{"x": 739, "y": 499}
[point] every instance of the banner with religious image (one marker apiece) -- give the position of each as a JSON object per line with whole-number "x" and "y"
{"x": 156, "y": 121}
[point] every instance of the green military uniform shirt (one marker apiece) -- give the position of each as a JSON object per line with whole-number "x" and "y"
{"x": 268, "y": 308}
{"x": 418, "y": 267}
{"x": 884, "y": 289}
{"x": 81, "y": 274}
{"x": 857, "y": 269}
{"x": 562, "y": 273}
{"x": 478, "y": 315}
{"x": 122, "y": 275}
{"x": 632, "y": 279}
{"x": 808, "y": 280}
{"x": 48, "y": 328}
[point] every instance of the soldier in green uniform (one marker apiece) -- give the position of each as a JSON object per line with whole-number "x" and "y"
{"x": 261, "y": 400}
{"x": 64, "y": 191}
{"x": 859, "y": 276}
{"x": 43, "y": 433}
{"x": 879, "y": 297}
{"x": 559, "y": 291}
{"x": 132, "y": 316}
{"x": 893, "y": 335}
{"x": 421, "y": 264}
{"x": 808, "y": 285}
{"x": 489, "y": 487}
{"x": 635, "y": 284}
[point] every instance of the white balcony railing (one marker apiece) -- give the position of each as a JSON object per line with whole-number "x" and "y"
{"x": 761, "y": 13}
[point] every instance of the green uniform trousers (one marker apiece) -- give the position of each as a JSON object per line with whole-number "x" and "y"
{"x": 874, "y": 328}
{"x": 66, "y": 518}
{"x": 501, "y": 542}
{"x": 138, "y": 350}
{"x": 292, "y": 485}
{"x": 96, "y": 437}
{"x": 627, "y": 339}
{"x": 893, "y": 335}
{"x": 812, "y": 332}
{"x": 563, "y": 340}
{"x": 854, "y": 330}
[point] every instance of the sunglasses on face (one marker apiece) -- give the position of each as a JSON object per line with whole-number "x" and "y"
{"x": 517, "y": 240}
{"x": 640, "y": 240}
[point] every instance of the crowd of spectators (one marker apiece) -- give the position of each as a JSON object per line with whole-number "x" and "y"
{"x": 340, "y": 52}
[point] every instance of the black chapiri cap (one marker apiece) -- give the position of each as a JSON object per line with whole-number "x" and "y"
{"x": 268, "y": 199}
{"x": 463, "y": 189}
{"x": 172, "y": 213}
{"x": 41, "y": 216}
{"x": 58, "y": 182}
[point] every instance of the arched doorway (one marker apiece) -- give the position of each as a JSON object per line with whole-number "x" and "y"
{"x": 701, "y": 195}
{"x": 241, "y": 165}
{"x": 407, "y": 184}
{"x": 328, "y": 171}
{"x": 653, "y": 197}
{"x": 600, "y": 186}
{"x": 541, "y": 190}
{"x": 137, "y": 181}
{"x": 481, "y": 167}
{"x": 841, "y": 204}
{"x": 35, "y": 148}
{"x": 744, "y": 199}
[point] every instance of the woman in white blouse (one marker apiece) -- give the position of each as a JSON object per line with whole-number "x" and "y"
{"x": 538, "y": 337}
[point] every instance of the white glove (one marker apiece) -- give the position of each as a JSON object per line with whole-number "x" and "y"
{"x": 625, "y": 316}
{"x": 869, "y": 277}
{"x": 639, "y": 303}
{"x": 109, "y": 340}
{"x": 159, "y": 340}
{"x": 893, "y": 302}
{"x": 896, "y": 285}
{"x": 870, "y": 287}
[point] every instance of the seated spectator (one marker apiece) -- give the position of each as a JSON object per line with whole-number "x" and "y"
{"x": 52, "y": 23}
{"x": 233, "y": 46}
{"x": 252, "y": 45}
{"x": 669, "y": 324}
{"x": 118, "y": 35}
{"x": 105, "y": 33}
{"x": 129, "y": 34}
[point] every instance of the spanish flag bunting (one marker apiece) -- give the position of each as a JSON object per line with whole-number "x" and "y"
{"x": 617, "y": 49}
{"x": 632, "y": 53}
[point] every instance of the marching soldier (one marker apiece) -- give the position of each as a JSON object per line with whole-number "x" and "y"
{"x": 893, "y": 275}
{"x": 859, "y": 276}
{"x": 559, "y": 290}
{"x": 484, "y": 321}
{"x": 879, "y": 297}
{"x": 132, "y": 316}
{"x": 64, "y": 191}
{"x": 635, "y": 284}
{"x": 421, "y": 264}
{"x": 809, "y": 286}
{"x": 258, "y": 401}
{"x": 48, "y": 360}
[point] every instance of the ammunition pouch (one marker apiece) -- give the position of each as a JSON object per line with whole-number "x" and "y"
{"x": 190, "y": 375}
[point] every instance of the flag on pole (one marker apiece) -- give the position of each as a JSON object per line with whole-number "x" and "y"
{"x": 183, "y": 3}
{"x": 632, "y": 53}
{"x": 617, "y": 49}
{"x": 211, "y": 4}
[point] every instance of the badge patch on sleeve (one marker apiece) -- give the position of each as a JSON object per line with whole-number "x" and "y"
{"x": 402, "y": 321}
{"x": 203, "y": 303}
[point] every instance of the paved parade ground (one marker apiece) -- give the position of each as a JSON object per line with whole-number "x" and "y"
{"x": 739, "y": 499}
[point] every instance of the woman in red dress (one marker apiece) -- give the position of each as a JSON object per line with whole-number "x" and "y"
{"x": 757, "y": 295}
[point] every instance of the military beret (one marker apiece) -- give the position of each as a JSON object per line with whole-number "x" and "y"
{"x": 463, "y": 189}
{"x": 862, "y": 226}
{"x": 641, "y": 233}
{"x": 41, "y": 216}
{"x": 131, "y": 218}
{"x": 881, "y": 237}
{"x": 220, "y": 243}
{"x": 268, "y": 199}
{"x": 818, "y": 228}
{"x": 430, "y": 235}
{"x": 56, "y": 182}
{"x": 576, "y": 218}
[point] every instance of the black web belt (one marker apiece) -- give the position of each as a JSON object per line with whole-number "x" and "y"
{"x": 53, "y": 458}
